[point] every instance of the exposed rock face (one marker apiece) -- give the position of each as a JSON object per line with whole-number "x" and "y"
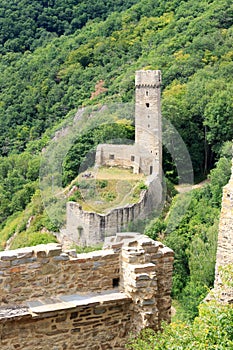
{"x": 54, "y": 299}
{"x": 225, "y": 241}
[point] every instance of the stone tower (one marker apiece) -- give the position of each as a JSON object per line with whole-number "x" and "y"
{"x": 148, "y": 125}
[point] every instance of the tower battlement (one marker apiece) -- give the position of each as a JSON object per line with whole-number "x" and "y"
{"x": 148, "y": 78}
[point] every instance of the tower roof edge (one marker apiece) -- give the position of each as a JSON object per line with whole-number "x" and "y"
{"x": 148, "y": 78}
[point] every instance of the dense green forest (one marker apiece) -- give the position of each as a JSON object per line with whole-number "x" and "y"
{"x": 26, "y": 25}
{"x": 58, "y": 56}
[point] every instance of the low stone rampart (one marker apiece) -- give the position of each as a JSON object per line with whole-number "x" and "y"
{"x": 45, "y": 271}
{"x": 58, "y": 300}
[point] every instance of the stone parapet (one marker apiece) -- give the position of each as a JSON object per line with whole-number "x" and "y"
{"x": 88, "y": 301}
{"x": 46, "y": 270}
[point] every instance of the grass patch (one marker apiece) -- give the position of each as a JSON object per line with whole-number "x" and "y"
{"x": 24, "y": 239}
{"x": 87, "y": 249}
{"x": 108, "y": 188}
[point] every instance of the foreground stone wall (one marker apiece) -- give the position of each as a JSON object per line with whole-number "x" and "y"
{"x": 54, "y": 299}
{"x": 101, "y": 326}
{"x": 45, "y": 271}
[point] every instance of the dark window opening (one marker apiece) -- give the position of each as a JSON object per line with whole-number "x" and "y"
{"x": 147, "y": 105}
{"x": 147, "y": 93}
{"x": 148, "y": 116}
{"x": 115, "y": 282}
{"x": 132, "y": 158}
{"x": 148, "y": 125}
{"x": 151, "y": 170}
{"x": 111, "y": 156}
{"x": 80, "y": 231}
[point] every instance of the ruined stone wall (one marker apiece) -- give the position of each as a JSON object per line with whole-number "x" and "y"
{"x": 45, "y": 271}
{"x": 89, "y": 228}
{"x": 101, "y": 326}
{"x": 127, "y": 156}
{"x": 225, "y": 239}
{"x": 62, "y": 301}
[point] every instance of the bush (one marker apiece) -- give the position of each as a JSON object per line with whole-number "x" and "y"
{"x": 102, "y": 183}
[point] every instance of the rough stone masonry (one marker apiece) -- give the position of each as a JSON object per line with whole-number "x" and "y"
{"x": 58, "y": 300}
{"x": 225, "y": 242}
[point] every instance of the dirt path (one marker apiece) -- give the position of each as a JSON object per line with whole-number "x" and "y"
{"x": 187, "y": 187}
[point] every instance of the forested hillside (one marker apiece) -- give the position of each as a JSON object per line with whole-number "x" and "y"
{"x": 27, "y": 24}
{"x": 57, "y": 56}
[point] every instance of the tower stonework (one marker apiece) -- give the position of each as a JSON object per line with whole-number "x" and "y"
{"x": 145, "y": 155}
{"x": 148, "y": 125}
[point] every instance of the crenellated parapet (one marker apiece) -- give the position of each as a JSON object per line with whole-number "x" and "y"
{"x": 148, "y": 78}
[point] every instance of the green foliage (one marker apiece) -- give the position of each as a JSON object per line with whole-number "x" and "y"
{"x": 32, "y": 221}
{"x": 102, "y": 183}
{"x": 76, "y": 196}
{"x": 137, "y": 190}
{"x": 87, "y": 249}
{"x": 24, "y": 239}
{"x": 219, "y": 177}
{"x": 156, "y": 228}
{"x": 190, "y": 229}
{"x": 109, "y": 196}
{"x": 33, "y": 23}
{"x": 212, "y": 329}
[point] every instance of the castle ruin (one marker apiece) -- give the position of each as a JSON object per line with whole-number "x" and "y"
{"x": 144, "y": 156}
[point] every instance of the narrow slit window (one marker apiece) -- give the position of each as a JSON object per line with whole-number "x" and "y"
{"x": 151, "y": 170}
{"x": 147, "y": 93}
{"x": 132, "y": 158}
{"x": 111, "y": 156}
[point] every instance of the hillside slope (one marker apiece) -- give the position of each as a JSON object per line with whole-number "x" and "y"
{"x": 189, "y": 41}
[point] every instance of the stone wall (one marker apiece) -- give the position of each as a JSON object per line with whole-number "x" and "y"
{"x": 45, "y": 271}
{"x": 58, "y": 300}
{"x": 127, "y": 156}
{"x": 225, "y": 240}
{"x": 100, "y": 326}
{"x": 90, "y": 228}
